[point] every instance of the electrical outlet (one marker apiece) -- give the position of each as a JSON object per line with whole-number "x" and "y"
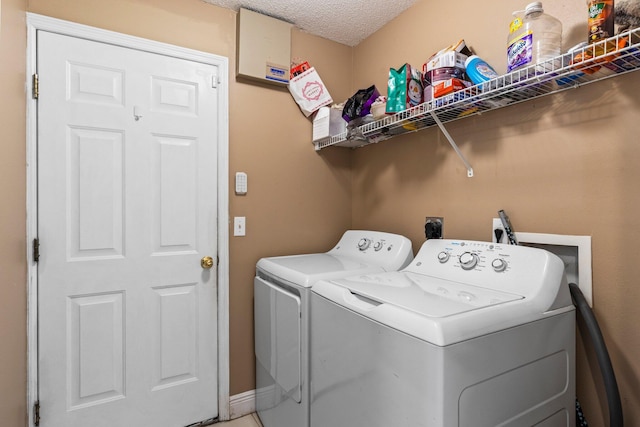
{"x": 498, "y": 234}
{"x": 434, "y": 227}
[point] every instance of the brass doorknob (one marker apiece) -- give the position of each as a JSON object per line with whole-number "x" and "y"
{"x": 206, "y": 262}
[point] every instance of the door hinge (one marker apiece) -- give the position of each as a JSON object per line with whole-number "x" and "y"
{"x": 36, "y": 250}
{"x": 36, "y": 413}
{"x": 35, "y": 86}
{"x": 215, "y": 80}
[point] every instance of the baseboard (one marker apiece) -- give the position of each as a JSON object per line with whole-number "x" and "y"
{"x": 242, "y": 404}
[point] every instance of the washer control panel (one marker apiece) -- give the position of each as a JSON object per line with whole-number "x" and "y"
{"x": 474, "y": 255}
{"x": 469, "y": 260}
{"x": 486, "y": 264}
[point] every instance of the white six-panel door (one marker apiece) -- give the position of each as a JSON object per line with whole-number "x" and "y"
{"x": 126, "y": 211}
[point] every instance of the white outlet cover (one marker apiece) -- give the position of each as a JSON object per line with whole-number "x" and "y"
{"x": 566, "y": 247}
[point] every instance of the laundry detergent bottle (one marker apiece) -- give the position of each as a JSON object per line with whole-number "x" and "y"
{"x": 534, "y": 38}
{"x": 478, "y": 70}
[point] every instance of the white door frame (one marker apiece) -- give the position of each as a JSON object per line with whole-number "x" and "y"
{"x": 37, "y": 22}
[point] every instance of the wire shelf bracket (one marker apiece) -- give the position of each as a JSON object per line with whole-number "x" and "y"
{"x": 453, "y": 144}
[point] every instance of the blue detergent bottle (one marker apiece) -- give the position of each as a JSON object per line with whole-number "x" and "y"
{"x": 478, "y": 70}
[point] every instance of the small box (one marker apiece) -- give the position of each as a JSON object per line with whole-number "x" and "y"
{"x": 446, "y": 87}
{"x": 321, "y": 124}
{"x": 450, "y": 58}
{"x": 328, "y": 122}
{"x": 446, "y": 73}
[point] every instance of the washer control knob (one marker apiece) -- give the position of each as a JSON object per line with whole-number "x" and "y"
{"x": 378, "y": 245}
{"x": 468, "y": 260}
{"x": 499, "y": 264}
{"x": 364, "y": 243}
{"x": 443, "y": 257}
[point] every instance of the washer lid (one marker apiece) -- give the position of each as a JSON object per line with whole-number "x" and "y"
{"x": 434, "y": 310}
{"x": 305, "y": 270}
{"x": 427, "y": 296}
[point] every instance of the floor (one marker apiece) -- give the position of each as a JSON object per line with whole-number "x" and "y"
{"x": 250, "y": 420}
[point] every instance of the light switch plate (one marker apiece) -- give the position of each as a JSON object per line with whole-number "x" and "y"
{"x": 239, "y": 226}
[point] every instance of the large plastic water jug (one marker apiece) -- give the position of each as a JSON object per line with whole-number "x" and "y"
{"x": 534, "y": 38}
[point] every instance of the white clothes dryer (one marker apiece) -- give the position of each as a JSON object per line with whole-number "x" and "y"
{"x": 470, "y": 334}
{"x": 282, "y": 288}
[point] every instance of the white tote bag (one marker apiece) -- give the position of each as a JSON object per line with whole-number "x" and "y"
{"x": 309, "y": 91}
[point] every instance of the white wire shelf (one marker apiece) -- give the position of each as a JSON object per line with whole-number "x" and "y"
{"x": 609, "y": 58}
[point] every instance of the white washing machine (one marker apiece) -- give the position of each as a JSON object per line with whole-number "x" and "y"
{"x": 470, "y": 334}
{"x": 282, "y": 290}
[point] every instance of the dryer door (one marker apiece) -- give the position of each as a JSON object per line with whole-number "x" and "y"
{"x": 277, "y": 316}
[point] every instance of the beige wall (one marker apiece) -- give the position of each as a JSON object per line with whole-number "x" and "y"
{"x": 298, "y": 200}
{"x": 12, "y": 215}
{"x": 565, "y": 164}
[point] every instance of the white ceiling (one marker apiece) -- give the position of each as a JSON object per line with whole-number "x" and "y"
{"x": 344, "y": 21}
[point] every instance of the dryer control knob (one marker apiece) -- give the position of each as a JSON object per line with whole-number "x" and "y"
{"x": 499, "y": 264}
{"x": 443, "y": 257}
{"x": 468, "y": 261}
{"x": 364, "y": 243}
{"x": 378, "y": 245}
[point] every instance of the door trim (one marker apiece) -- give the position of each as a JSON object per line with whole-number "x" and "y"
{"x": 37, "y": 22}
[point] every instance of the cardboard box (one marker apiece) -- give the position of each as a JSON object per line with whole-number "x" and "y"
{"x": 445, "y": 73}
{"x": 447, "y": 59}
{"x": 321, "y": 124}
{"x": 328, "y": 122}
{"x": 445, "y": 87}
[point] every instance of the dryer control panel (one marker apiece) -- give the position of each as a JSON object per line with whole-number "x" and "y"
{"x": 391, "y": 251}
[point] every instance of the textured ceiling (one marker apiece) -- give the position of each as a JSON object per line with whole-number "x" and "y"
{"x": 344, "y": 21}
